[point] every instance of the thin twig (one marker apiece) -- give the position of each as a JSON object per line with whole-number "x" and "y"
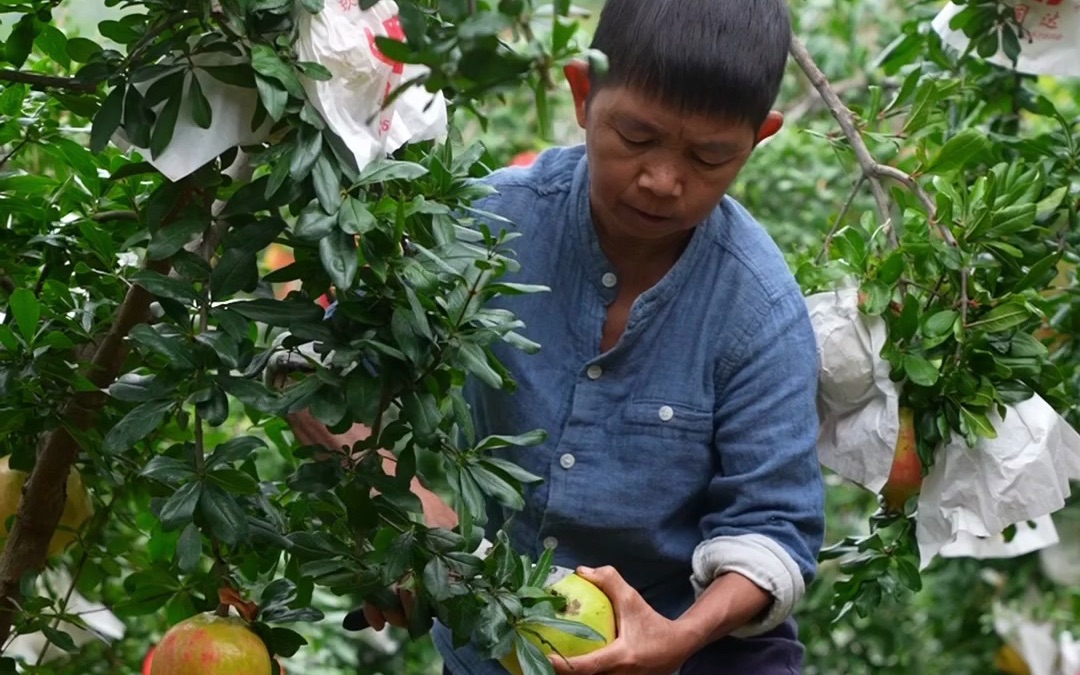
{"x": 18, "y": 146}
{"x": 840, "y": 219}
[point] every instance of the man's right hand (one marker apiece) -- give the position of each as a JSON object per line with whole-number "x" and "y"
{"x": 310, "y": 431}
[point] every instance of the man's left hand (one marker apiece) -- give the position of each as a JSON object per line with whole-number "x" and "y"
{"x": 647, "y": 643}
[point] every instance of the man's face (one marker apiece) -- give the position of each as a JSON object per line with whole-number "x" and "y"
{"x": 656, "y": 172}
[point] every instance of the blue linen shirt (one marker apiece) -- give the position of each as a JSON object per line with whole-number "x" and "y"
{"x": 699, "y": 425}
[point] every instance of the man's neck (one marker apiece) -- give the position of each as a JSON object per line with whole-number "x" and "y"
{"x": 641, "y": 263}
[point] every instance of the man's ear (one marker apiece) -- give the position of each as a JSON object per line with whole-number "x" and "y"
{"x": 577, "y": 74}
{"x": 773, "y": 121}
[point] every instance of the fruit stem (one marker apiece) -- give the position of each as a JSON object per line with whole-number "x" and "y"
{"x": 222, "y": 610}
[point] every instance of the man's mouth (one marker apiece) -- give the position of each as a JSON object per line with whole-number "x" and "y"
{"x": 649, "y": 217}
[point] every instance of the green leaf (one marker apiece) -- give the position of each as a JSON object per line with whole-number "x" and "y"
{"x": 26, "y": 310}
{"x": 1049, "y": 204}
{"x": 354, "y": 217}
{"x": 307, "y": 147}
{"x": 1023, "y": 345}
{"x": 1010, "y": 44}
{"x": 920, "y": 371}
{"x": 201, "y": 113}
{"x": 215, "y": 409}
{"x": 284, "y": 641}
{"x": 178, "y": 511}
{"x": 20, "y": 41}
{"x": 164, "y": 286}
{"x": 222, "y": 515}
{"x": 1037, "y": 273}
{"x": 338, "y": 254}
{"x": 60, "y": 638}
{"x": 107, "y": 120}
{"x": 279, "y": 312}
{"x": 11, "y": 99}
{"x": 575, "y": 628}
{"x": 82, "y": 50}
{"x": 978, "y": 423}
{"x": 1011, "y": 220}
{"x": 237, "y": 270}
{"x": 238, "y": 75}
{"x": 961, "y": 151}
{"x": 475, "y": 361}
{"x": 511, "y": 469}
{"x": 137, "y": 118}
{"x": 172, "y": 237}
{"x": 267, "y": 63}
{"x": 383, "y": 170}
{"x": 527, "y": 439}
{"x": 313, "y": 6}
{"x": 168, "y": 470}
{"x": 171, "y": 347}
{"x": 497, "y": 487}
{"x": 234, "y": 481}
{"x": 437, "y": 579}
{"x": 165, "y": 125}
{"x": 234, "y": 450}
{"x": 315, "y": 71}
{"x": 940, "y": 323}
{"x": 136, "y": 425}
{"x": 327, "y": 183}
{"x": 532, "y": 660}
{"x": 134, "y": 388}
{"x": 314, "y": 224}
{"x": 189, "y": 549}
{"x": 273, "y": 97}
{"x": 1003, "y": 317}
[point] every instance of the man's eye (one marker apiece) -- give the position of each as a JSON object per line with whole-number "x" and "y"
{"x": 710, "y": 163}
{"x": 636, "y": 142}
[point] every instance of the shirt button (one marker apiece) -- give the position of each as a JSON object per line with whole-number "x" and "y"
{"x": 594, "y": 372}
{"x": 550, "y": 542}
{"x": 666, "y": 413}
{"x": 609, "y": 280}
{"x": 567, "y": 461}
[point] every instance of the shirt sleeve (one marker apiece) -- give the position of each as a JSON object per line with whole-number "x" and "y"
{"x": 766, "y": 515}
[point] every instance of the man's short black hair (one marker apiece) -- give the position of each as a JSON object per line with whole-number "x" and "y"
{"x": 723, "y": 58}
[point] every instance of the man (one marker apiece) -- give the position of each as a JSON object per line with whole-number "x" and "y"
{"x": 678, "y": 370}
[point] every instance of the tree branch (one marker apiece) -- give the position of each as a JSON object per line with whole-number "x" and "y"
{"x": 872, "y": 170}
{"x": 846, "y": 119}
{"x": 45, "y": 492}
{"x": 46, "y": 82}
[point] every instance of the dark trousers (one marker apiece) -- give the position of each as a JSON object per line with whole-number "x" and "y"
{"x": 777, "y": 652}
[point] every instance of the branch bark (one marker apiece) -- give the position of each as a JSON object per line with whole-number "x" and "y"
{"x": 45, "y": 82}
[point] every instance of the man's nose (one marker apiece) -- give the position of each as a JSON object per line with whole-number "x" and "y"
{"x": 663, "y": 179}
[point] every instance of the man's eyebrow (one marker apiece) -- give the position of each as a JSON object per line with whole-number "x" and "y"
{"x": 720, "y": 147}
{"x": 635, "y": 123}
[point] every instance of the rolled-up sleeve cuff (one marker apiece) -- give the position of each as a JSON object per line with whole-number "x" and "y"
{"x": 762, "y": 561}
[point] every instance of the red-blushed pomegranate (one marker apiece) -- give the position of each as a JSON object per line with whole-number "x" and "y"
{"x": 208, "y": 644}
